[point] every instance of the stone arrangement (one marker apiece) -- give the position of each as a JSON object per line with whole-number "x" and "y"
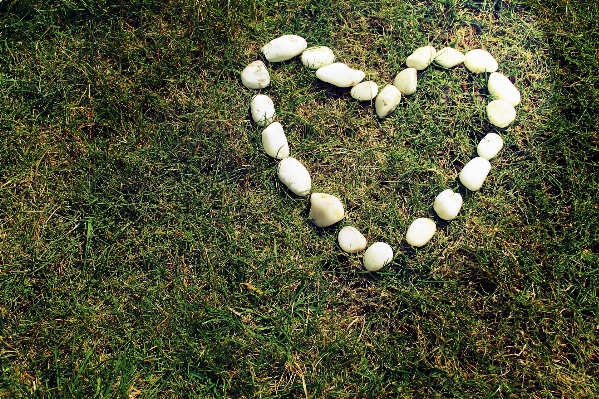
{"x": 327, "y": 209}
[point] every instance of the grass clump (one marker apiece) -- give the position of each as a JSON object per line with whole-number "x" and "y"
{"x": 147, "y": 248}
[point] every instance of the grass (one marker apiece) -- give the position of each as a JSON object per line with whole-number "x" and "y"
{"x": 147, "y": 248}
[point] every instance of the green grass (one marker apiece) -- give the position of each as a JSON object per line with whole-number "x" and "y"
{"x": 147, "y": 248}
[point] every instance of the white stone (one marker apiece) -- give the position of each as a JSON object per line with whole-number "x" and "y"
{"x": 263, "y": 110}
{"x": 284, "y": 48}
{"x": 340, "y": 75}
{"x": 365, "y": 91}
{"x": 501, "y": 113}
{"x": 449, "y": 57}
{"x": 501, "y": 88}
{"x": 474, "y": 173}
{"x": 478, "y": 61}
{"x": 295, "y": 176}
{"x": 420, "y": 232}
{"x": 406, "y": 81}
{"x": 255, "y": 75}
{"x": 387, "y": 100}
{"x": 317, "y": 57}
{"x": 421, "y": 58}
{"x": 325, "y": 209}
{"x": 377, "y": 256}
{"x": 489, "y": 146}
{"x": 448, "y": 204}
{"x": 351, "y": 240}
{"x": 274, "y": 141}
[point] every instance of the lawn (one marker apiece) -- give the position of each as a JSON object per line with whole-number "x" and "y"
{"x": 147, "y": 248}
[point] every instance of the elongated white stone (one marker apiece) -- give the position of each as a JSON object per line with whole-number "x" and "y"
{"x": 420, "y": 232}
{"x": 449, "y": 57}
{"x": 387, "y": 100}
{"x": 406, "y": 81}
{"x": 365, "y": 91}
{"x": 474, "y": 173}
{"x": 255, "y": 75}
{"x": 262, "y": 109}
{"x": 351, "y": 240}
{"x": 448, "y": 204}
{"x": 274, "y": 141}
{"x": 501, "y": 113}
{"x": 479, "y": 60}
{"x": 340, "y": 75}
{"x": 325, "y": 209}
{"x": 377, "y": 256}
{"x": 295, "y": 176}
{"x": 317, "y": 57}
{"x": 489, "y": 146}
{"x": 501, "y": 88}
{"x": 421, "y": 58}
{"x": 284, "y": 48}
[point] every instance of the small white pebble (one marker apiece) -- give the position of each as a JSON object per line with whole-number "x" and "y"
{"x": 420, "y": 232}
{"x": 377, "y": 256}
{"x": 489, "y": 146}
{"x": 501, "y": 113}
{"x": 474, "y": 173}
{"x": 351, "y": 240}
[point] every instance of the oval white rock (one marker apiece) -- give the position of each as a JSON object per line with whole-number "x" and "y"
{"x": 479, "y": 60}
{"x": 421, "y": 58}
{"x": 255, "y": 75}
{"x": 275, "y": 142}
{"x": 263, "y": 110}
{"x": 317, "y": 57}
{"x": 340, "y": 75}
{"x": 377, "y": 256}
{"x": 489, "y": 146}
{"x": 284, "y": 48}
{"x": 420, "y": 232}
{"x": 501, "y": 113}
{"x": 448, "y": 204}
{"x": 406, "y": 81}
{"x": 295, "y": 176}
{"x": 449, "y": 57}
{"x": 474, "y": 173}
{"x": 351, "y": 240}
{"x": 365, "y": 91}
{"x": 387, "y": 100}
{"x": 325, "y": 209}
{"x": 501, "y": 88}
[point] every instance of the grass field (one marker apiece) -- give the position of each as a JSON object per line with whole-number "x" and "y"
{"x": 148, "y": 250}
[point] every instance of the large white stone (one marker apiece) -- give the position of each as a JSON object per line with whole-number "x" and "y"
{"x": 421, "y": 58}
{"x": 449, "y": 57}
{"x": 365, "y": 91}
{"x": 420, "y": 232}
{"x": 351, "y": 240}
{"x": 340, "y": 75}
{"x": 317, "y": 57}
{"x": 284, "y": 48}
{"x": 479, "y": 60}
{"x": 489, "y": 146}
{"x": 255, "y": 75}
{"x": 262, "y": 109}
{"x": 501, "y": 113}
{"x": 387, "y": 100}
{"x": 295, "y": 176}
{"x": 474, "y": 173}
{"x": 377, "y": 256}
{"x": 274, "y": 141}
{"x": 501, "y": 88}
{"x": 325, "y": 209}
{"x": 406, "y": 81}
{"x": 448, "y": 204}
